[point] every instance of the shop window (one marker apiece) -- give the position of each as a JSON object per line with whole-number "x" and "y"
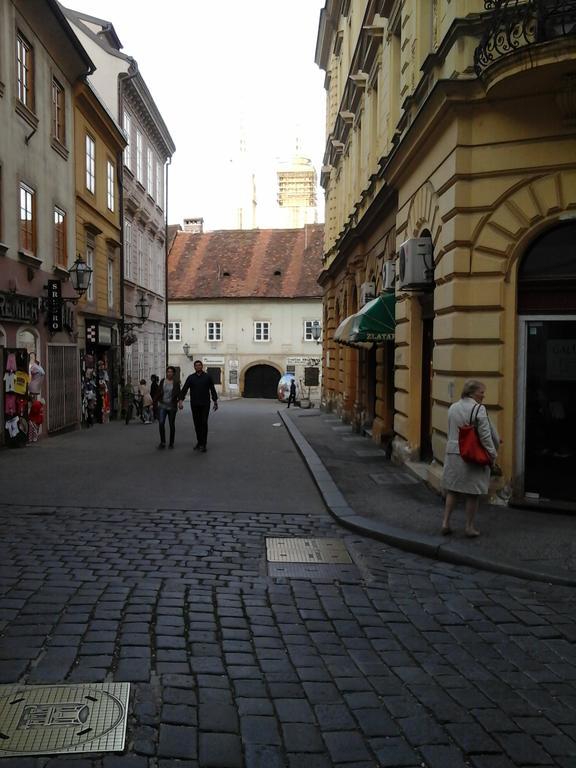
{"x": 216, "y": 374}
{"x": 2, "y": 337}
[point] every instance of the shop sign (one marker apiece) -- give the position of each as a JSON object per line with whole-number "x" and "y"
{"x": 211, "y": 360}
{"x": 104, "y": 334}
{"x": 561, "y": 359}
{"x": 303, "y": 361}
{"x": 54, "y": 306}
{"x": 22, "y": 309}
{"x": 311, "y": 376}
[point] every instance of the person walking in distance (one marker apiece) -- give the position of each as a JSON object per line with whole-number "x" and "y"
{"x": 292, "y": 395}
{"x": 201, "y": 389}
{"x": 167, "y": 397}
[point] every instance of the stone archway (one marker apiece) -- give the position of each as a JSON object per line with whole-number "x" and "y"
{"x": 260, "y": 380}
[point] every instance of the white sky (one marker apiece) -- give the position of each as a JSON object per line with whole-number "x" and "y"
{"x": 213, "y": 67}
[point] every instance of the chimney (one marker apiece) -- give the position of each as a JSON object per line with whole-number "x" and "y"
{"x": 194, "y": 225}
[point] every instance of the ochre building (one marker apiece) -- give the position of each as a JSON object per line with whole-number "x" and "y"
{"x": 450, "y": 182}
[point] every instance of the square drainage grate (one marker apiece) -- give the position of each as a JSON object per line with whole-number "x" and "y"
{"x": 327, "y": 551}
{"x": 62, "y": 719}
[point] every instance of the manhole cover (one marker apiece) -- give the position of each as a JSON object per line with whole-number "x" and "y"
{"x": 59, "y": 719}
{"x": 306, "y": 551}
{"x": 346, "y": 573}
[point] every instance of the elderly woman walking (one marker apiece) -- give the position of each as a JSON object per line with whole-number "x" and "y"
{"x": 462, "y": 478}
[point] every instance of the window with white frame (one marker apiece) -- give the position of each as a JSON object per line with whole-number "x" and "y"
{"x": 139, "y": 157}
{"x": 90, "y": 263}
{"x": 174, "y": 330}
{"x": 150, "y": 264}
{"x": 110, "y": 184}
{"x": 90, "y": 164}
{"x": 308, "y": 326}
{"x": 128, "y": 249}
{"x": 140, "y": 259}
{"x": 110, "y": 283}
{"x": 128, "y": 147}
{"x": 149, "y": 172}
{"x": 261, "y": 330}
{"x": 214, "y": 330}
{"x": 159, "y": 169}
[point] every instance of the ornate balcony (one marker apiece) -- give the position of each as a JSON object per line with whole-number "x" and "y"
{"x": 516, "y": 24}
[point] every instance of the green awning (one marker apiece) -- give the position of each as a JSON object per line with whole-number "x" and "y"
{"x": 373, "y": 324}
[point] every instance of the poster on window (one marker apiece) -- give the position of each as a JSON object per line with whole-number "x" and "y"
{"x": 561, "y": 359}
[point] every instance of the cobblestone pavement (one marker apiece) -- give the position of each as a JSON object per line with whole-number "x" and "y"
{"x": 404, "y": 663}
{"x": 399, "y": 661}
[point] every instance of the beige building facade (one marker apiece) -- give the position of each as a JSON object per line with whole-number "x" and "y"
{"x": 450, "y": 181}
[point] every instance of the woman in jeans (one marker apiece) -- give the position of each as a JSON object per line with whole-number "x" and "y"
{"x": 167, "y": 397}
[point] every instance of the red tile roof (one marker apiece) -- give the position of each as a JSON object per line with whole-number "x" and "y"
{"x": 242, "y": 264}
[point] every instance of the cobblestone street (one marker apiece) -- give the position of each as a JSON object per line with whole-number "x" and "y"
{"x": 400, "y": 662}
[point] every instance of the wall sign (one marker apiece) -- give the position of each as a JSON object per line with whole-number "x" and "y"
{"x": 23, "y": 309}
{"x": 54, "y": 305}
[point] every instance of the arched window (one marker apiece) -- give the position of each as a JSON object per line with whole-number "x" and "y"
{"x": 27, "y": 338}
{"x": 547, "y": 273}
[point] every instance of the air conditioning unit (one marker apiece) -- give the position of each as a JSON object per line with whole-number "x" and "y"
{"x": 416, "y": 264}
{"x": 388, "y": 274}
{"x": 367, "y": 293}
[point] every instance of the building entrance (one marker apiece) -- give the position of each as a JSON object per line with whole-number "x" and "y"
{"x": 550, "y": 421}
{"x": 261, "y": 381}
{"x": 546, "y": 449}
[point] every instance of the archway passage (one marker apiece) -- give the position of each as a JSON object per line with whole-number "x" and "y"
{"x": 261, "y": 381}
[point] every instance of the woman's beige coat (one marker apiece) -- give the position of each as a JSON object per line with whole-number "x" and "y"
{"x": 460, "y": 476}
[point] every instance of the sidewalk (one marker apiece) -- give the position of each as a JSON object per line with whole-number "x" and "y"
{"x": 366, "y": 492}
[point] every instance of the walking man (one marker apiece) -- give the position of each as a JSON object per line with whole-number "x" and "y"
{"x": 201, "y": 389}
{"x": 292, "y": 395}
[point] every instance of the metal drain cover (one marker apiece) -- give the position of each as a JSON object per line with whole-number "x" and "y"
{"x": 306, "y": 551}
{"x": 60, "y": 719}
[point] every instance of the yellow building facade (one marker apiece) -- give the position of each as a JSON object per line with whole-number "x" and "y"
{"x": 98, "y": 146}
{"x": 450, "y": 181}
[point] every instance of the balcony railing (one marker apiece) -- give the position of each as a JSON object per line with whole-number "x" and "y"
{"x": 515, "y": 24}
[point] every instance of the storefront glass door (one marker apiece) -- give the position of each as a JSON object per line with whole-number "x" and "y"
{"x": 550, "y": 410}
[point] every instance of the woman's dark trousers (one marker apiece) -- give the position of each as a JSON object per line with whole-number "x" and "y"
{"x": 164, "y": 413}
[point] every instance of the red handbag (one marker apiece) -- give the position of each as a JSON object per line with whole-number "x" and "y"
{"x": 471, "y": 449}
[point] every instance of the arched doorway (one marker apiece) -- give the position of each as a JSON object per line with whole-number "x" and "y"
{"x": 261, "y": 381}
{"x": 546, "y": 456}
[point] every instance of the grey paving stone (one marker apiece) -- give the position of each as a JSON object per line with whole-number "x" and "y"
{"x": 437, "y": 756}
{"x": 260, "y": 730}
{"x": 179, "y": 714}
{"x": 394, "y": 752}
{"x": 334, "y": 717}
{"x": 303, "y": 737}
{"x": 346, "y": 746}
{"x": 220, "y": 750}
{"x": 523, "y": 749}
{"x": 294, "y": 711}
{"x": 217, "y": 717}
{"x": 376, "y": 722}
{"x": 260, "y": 756}
{"x": 133, "y": 671}
{"x": 179, "y": 742}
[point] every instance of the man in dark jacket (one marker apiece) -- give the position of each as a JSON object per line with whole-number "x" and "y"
{"x": 201, "y": 389}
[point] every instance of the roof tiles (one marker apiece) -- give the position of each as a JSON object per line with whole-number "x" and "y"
{"x": 246, "y": 263}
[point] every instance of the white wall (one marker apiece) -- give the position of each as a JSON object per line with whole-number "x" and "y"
{"x": 238, "y": 346}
